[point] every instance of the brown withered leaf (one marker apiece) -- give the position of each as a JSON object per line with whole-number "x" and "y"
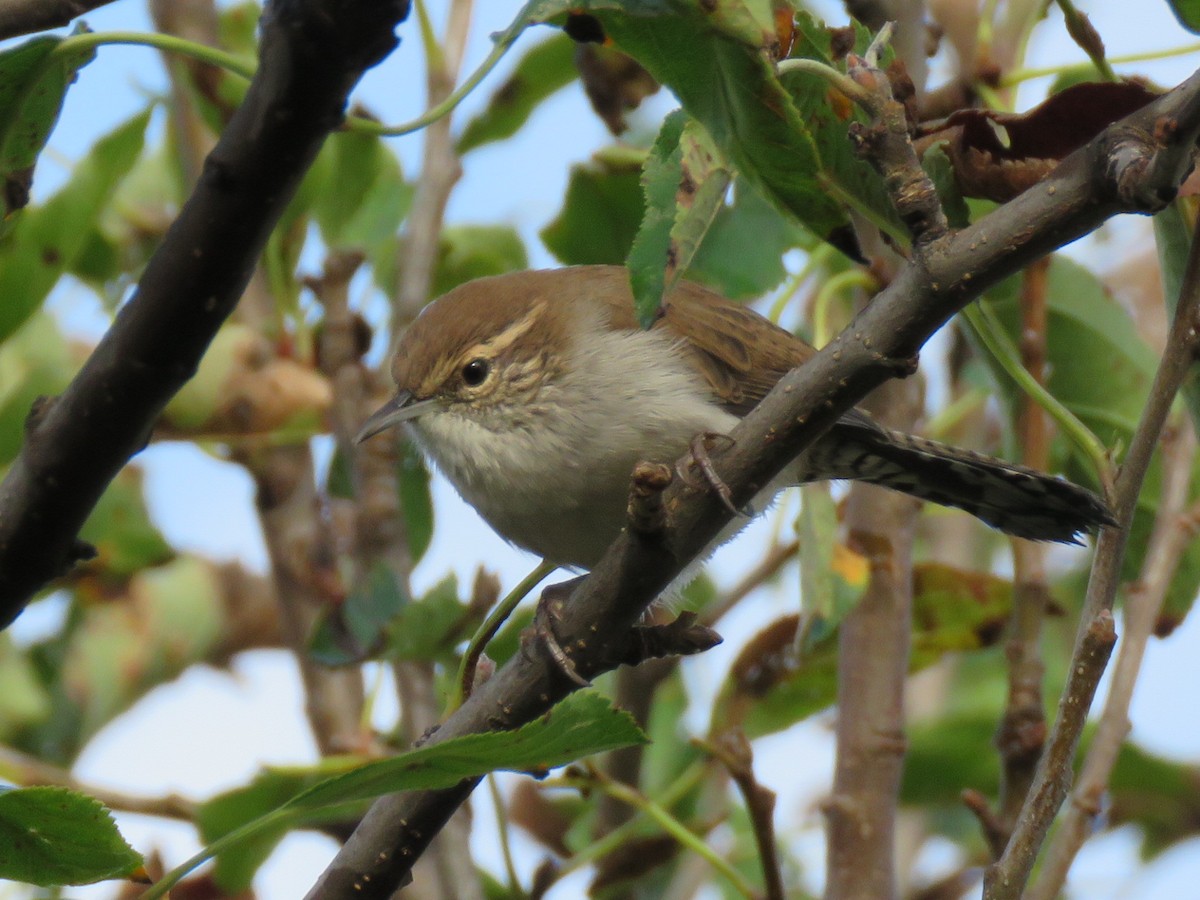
{"x": 785, "y": 29}
{"x": 614, "y": 83}
{"x": 631, "y": 860}
{"x": 766, "y": 658}
{"x": 996, "y": 155}
{"x": 544, "y": 821}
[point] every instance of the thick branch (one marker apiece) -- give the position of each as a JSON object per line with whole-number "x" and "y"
{"x": 312, "y": 53}
{"x": 873, "y": 650}
{"x": 18, "y": 17}
{"x": 1133, "y": 166}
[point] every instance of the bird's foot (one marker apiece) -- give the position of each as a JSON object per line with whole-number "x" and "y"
{"x": 701, "y": 445}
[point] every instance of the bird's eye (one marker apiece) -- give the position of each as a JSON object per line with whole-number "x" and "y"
{"x": 475, "y": 372}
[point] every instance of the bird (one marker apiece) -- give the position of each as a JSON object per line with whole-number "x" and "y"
{"x": 536, "y": 392}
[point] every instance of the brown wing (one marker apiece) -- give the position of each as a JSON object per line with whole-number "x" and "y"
{"x": 741, "y": 354}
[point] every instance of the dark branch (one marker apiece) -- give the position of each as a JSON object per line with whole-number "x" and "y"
{"x": 18, "y": 17}
{"x": 1134, "y": 166}
{"x": 312, "y": 54}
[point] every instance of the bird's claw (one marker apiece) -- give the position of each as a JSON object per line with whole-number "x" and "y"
{"x": 699, "y": 449}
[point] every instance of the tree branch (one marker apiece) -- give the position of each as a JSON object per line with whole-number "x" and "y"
{"x": 312, "y": 53}
{"x": 1022, "y": 731}
{"x": 1173, "y": 531}
{"x": 18, "y": 17}
{"x": 1135, "y": 165}
{"x": 1007, "y": 877}
{"x": 873, "y": 651}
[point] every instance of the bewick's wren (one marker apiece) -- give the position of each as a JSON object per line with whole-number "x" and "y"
{"x": 536, "y": 393}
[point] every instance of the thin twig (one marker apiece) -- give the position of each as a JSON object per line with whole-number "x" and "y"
{"x": 1022, "y": 731}
{"x": 299, "y": 540}
{"x": 440, "y": 171}
{"x": 874, "y": 638}
{"x": 514, "y": 882}
{"x": 23, "y": 769}
{"x": 733, "y": 751}
{"x": 1006, "y": 879}
{"x": 1173, "y": 531}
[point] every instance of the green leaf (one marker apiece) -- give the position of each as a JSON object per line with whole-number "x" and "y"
{"x": 1173, "y": 239}
{"x": 729, "y": 85}
{"x": 237, "y": 29}
{"x": 416, "y": 501}
{"x": 355, "y": 630}
{"x": 1160, "y": 795}
{"x": 54, "y": 836}
{"x": 957, "y": 751}
{"x": 35, "y": 361}
{"x": 786, "y": 136}
{"x": 120, "y": 529}
{"x": 168, "y": 618}
{"x": 941, "y": 172}
{"x": 428, "y": 628}
{"x": 24, "y": 700}
{"x": 34, "y": 78}
{"x": 508, "y": 641}
{"x": 828, "y": 115}
{"x": 948, "y": 754}
{"x": 542, "y": 71}
{"x": 685, "y": 180}
{"x": 742, "y": 253}
{"x": 600, "y": 215}
{"x": 270, "y": 789}
{"x": 467, "y": 252}
{"x": 832, "y": 577}
{"x": 1188, "y": 13}
{"x": 46, "y": 240}
{"x": 362, "y": 196}
{"x": 662, "y": 174}
{"x": 583, "y": 724}
{"x": 953, "y": 611}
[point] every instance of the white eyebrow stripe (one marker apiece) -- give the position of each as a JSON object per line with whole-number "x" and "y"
{"x": 509, "y": 336}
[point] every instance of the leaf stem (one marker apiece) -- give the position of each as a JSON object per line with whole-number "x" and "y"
{"x": 1018, "y": 76}
{"x": 982, "y": 321}
{"x": 829, "y": 291}
{"x": 239, "y": 66}
{"x": 167, "y": 42}
{"x": 503, "y": 43}
{"x": 838, "y": 80}
{"x": 497, "y": 617}
{"x": 671, "y": 825}
{"x": 514, "y": 883}
{"x": 276, "y": 817}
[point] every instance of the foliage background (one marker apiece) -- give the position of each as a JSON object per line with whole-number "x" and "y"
{"x": 210, "y": 729}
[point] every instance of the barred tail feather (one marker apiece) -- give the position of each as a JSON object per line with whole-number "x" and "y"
{"x": 1015, "y": 499}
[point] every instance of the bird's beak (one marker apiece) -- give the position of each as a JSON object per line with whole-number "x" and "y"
{"x": 400, "y": 408}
